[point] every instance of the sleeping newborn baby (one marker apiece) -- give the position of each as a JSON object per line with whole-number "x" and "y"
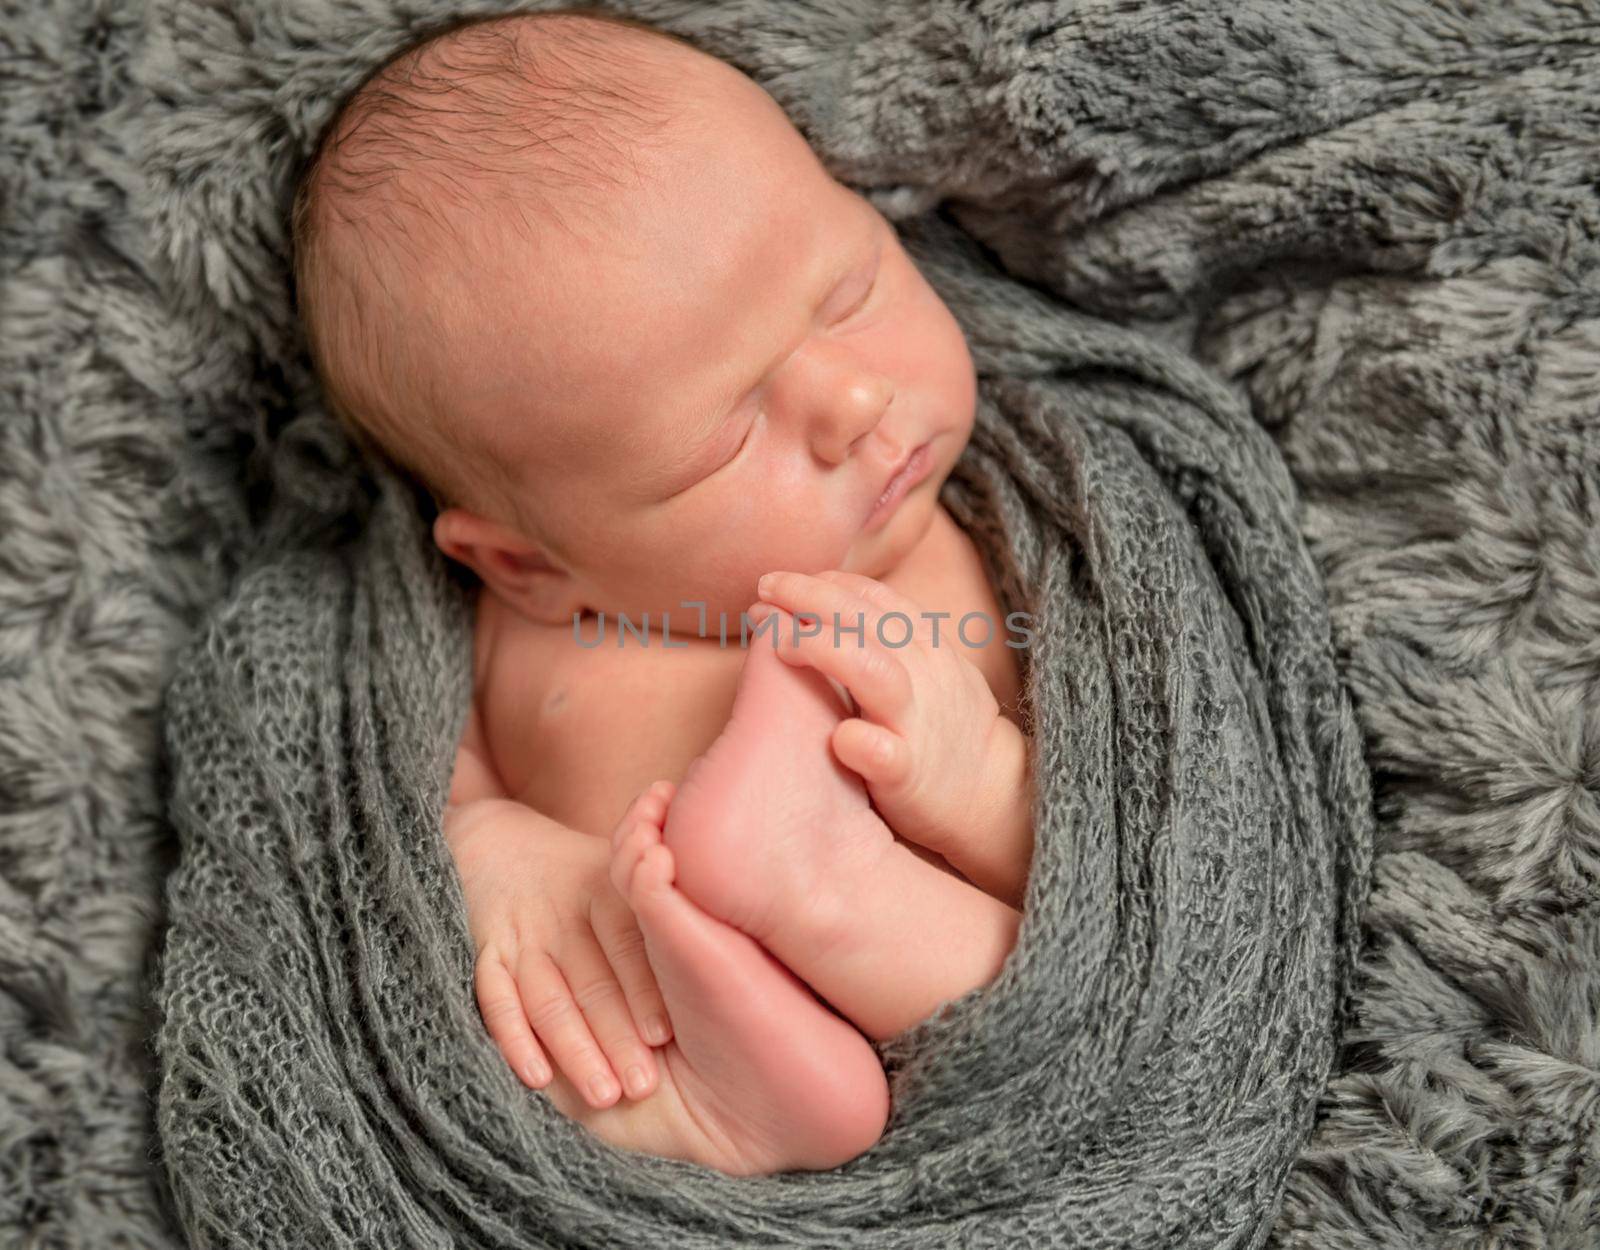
{"x": 591, "y": 288}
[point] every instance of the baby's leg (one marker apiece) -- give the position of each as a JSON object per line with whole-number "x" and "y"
{"x": 759, "y": 1076}
{"x": 773, "y": 835}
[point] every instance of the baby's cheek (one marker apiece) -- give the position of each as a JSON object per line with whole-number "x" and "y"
{"x": 743, "y": 558}
{"x": 949, "y": 362}
{"x": 762, "y": 522}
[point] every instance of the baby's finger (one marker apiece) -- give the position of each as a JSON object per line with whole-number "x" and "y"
{"x": 507, "y": 1021}
{"x": 617, "y": 931}
{"x": 874, "y": 676}
{"x": 884, "y": 598}
{"x": 880, "y": 755}
{"x": 560, "y": 1026}
{"x": 800, "y": 593}
{"x": 594, "y": 987}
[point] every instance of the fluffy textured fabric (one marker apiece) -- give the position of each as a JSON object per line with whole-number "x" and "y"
{"x": 1377, "y": 220}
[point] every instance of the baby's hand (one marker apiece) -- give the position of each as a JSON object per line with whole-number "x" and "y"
{"x": 559, "y": 952}
{"x": 924, "y": 738}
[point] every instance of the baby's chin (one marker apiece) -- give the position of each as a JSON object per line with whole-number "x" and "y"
{"x": 879, "y": 553}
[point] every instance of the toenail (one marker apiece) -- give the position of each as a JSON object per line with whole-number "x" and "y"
{"x": 635, "y": 1080}
{"x": 600, "y": 1088}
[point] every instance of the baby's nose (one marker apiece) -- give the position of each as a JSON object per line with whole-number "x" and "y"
{"x": 848, "y": 411}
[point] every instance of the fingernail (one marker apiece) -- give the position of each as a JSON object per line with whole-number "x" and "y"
{"x": 601, "y": 1088}
{"x": 655, "y": 1030}
{"x": 764, "y": 584}
{"x": 634, "y": 1079}
{"x": 533, "y": 1072}
{"x": 760, "y": 612}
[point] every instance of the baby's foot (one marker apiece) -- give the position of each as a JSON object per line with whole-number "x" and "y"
{"x": 759, "y": 1076}
{"x": 767, "y": 825}
{"x": 771, "y": 834}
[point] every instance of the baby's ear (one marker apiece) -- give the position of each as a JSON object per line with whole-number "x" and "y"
{"x": 513, "y": 567}
{"x": 517, "y": 562}
{"x": 453, "y": 533}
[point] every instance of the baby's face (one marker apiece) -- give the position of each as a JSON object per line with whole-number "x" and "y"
{"x": 721, "y": 387}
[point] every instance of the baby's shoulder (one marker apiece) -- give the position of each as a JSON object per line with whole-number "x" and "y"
{"x": 548, "y": 704}
{"x": 593, "y": 673}
{"x": 944, "y": 569}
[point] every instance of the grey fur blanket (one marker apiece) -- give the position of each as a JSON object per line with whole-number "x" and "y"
{"x": 1288, "y": 329}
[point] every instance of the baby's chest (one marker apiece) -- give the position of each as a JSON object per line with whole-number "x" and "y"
{"x": 577, "y": 733}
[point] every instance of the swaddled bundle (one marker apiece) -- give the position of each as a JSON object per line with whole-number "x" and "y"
{"x": 1143, "y": 1071}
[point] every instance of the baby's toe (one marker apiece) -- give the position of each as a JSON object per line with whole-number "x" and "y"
{"x": 647, "y": 806}
{"x": 626, "y": 853}
{"x": 653, "y": 802}
{"x": 655, "y": 871}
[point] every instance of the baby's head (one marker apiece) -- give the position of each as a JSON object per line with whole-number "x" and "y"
{"x": 592, "y": 288}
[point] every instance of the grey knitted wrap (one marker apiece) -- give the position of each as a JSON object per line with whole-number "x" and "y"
{"x": 1143, "y": 1071}
{"x": 1375, "y": 224}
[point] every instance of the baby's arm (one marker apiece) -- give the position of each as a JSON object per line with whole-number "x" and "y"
{"x": 945, "y": 769}
{"x": 561, "y": 971}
